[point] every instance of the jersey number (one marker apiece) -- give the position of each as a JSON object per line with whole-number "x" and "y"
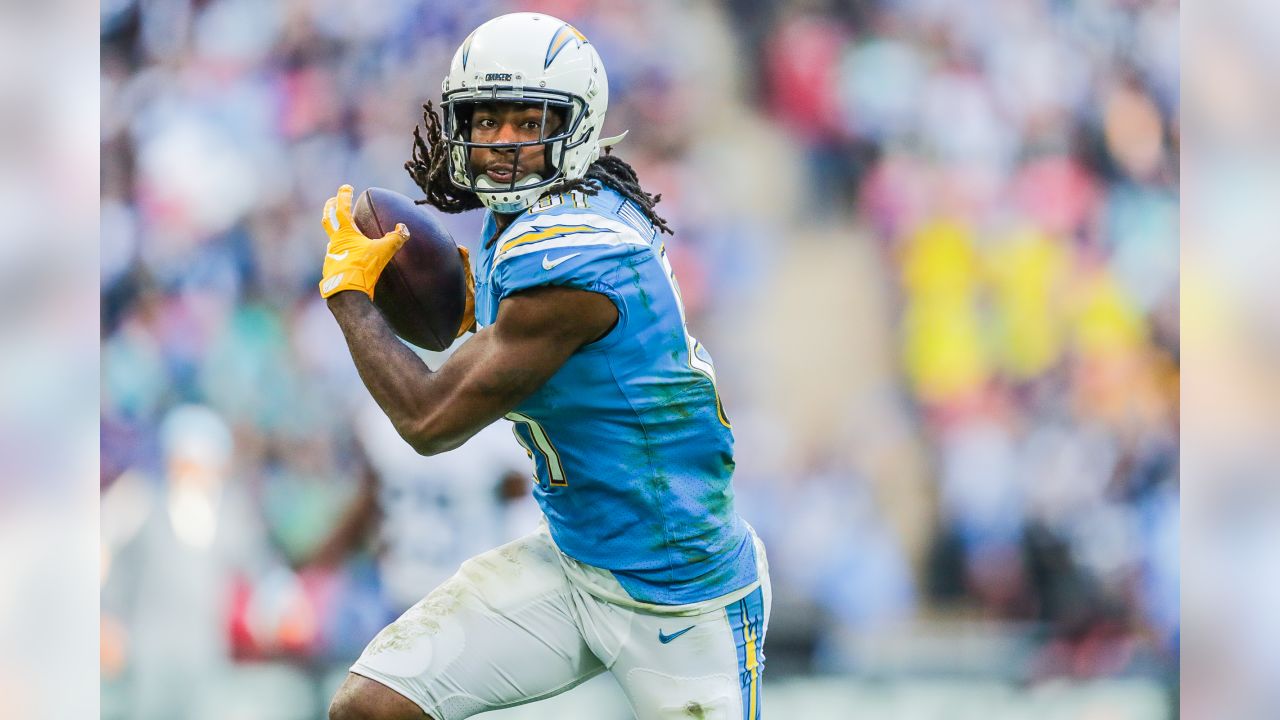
{"x": 538, "y": 442}
{"x": 697, "y": 362}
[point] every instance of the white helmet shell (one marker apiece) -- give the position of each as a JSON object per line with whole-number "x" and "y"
{"x": 526, "y": 58}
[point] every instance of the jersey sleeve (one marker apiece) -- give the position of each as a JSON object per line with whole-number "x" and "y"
{"x": 586, "y": 253}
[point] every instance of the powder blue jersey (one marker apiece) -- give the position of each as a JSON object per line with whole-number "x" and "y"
{"x": 633, "y": 451}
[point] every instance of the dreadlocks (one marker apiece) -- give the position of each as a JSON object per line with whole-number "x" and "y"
{"x": 616, "y": 173}
{"x": 429, "y": 168}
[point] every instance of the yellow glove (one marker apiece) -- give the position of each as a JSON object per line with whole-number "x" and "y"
{"x": 469, "y": 309}
{"x": 353, "y": 261}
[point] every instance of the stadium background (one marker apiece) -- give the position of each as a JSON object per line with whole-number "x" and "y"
{"x": 931, "y": 245}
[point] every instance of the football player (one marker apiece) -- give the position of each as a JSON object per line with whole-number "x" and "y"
{"x": 641, "y": 566}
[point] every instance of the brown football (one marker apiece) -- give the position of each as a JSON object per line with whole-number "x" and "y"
{"x": 421, "y": 292}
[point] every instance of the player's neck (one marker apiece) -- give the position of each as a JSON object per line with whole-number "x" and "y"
{"x": 501, "y": 221}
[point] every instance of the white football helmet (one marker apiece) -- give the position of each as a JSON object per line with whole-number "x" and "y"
{"x": 526, "y": 58}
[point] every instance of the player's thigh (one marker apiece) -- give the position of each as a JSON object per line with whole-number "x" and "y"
{"x": 499, "y": 632}
{"x": 360, "y": 698}
{"x": 706, "y": 666}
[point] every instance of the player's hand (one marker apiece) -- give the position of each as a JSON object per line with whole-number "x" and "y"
{"x": 469, "y": 308}
{"x": 353, "y": 261}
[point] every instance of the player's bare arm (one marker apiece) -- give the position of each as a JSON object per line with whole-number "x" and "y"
{"x": 535, "y": 333}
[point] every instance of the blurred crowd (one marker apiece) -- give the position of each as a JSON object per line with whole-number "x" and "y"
{"x": 1005, "y": 171}
{"x": 1016, "y": 165}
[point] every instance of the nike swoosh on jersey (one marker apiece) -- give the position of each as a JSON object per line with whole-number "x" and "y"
{"x": 664, "y": 639}
{"x": 339, "y": 257}
{"x": 548, "y": 263}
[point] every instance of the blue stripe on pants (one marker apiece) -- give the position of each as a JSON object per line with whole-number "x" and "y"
{"x": 746, "y": 617}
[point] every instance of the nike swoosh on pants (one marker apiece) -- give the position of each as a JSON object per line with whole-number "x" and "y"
{"x": 664, "y": 639}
